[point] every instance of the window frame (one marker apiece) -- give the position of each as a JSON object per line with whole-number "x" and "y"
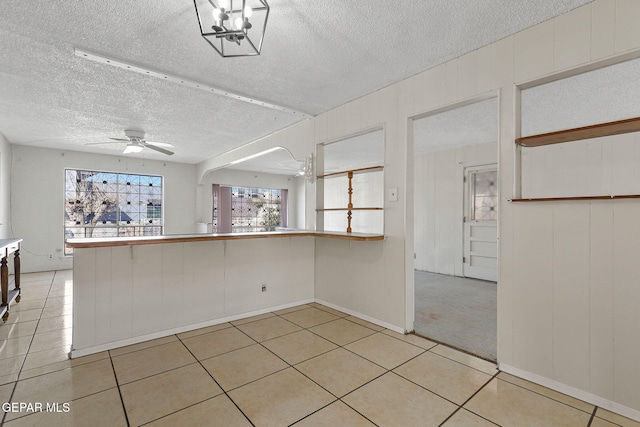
{"x": 158, "y": 223}
{"x": 246, "y": 193}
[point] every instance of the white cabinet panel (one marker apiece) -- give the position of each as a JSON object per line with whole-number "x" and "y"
{"x": 84, "y": 301}
{"x": 146, "y": 282}
{"x": 126, "y": 294}
{"x": 103, "y": 293}
{"x": 121, "y": 316}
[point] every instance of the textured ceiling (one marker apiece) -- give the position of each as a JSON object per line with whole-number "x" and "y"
{"x": 472, "y": 124}
{"x": 316, "y": 55}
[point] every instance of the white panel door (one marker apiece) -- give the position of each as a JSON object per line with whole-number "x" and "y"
{"x": 481, "y": 223}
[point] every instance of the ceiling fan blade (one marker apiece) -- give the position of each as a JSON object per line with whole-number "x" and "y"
{"x": 161, "y": 150}
{"x": 120, "y": 139}
{"x": 286, "y": 166}
{"x": 105, "y": 142}
{"x": 159, "y": 144}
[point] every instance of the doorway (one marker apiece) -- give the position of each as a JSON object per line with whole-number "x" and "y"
{"x": 456, "y": 226}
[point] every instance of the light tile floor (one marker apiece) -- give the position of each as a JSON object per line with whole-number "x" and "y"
{"x": 306, "y": 366}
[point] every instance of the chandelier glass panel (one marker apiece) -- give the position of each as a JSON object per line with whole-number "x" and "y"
{"x": 233, "y": 27}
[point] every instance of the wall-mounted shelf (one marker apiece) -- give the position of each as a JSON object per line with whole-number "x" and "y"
{"x": 350, "y": 208}
{"x": 347, "y": 209}
{"x": 555, "y": 199}
{"x": 353, "y": 171}
{"x": 586, "y": 132}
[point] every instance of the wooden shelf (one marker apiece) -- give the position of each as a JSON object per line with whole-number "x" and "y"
{"x": 348, "y": 209}
{"x": 355, "y": 171}
{"x": 555, "y": 199}
{"x": 594, "y": 131}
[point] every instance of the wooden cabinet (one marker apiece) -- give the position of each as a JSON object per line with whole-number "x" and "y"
{"x": 8, "y": 247}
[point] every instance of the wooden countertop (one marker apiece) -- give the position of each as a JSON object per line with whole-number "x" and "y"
{"x": 184, "y": 238}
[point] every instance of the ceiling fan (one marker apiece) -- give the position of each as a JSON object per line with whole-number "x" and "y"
{"x": 136, "y": 142}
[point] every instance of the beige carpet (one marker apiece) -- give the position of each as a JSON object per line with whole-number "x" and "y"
{"x": 457, "y": 311}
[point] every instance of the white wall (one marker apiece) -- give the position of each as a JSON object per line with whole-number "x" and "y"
{"x": 233, "y": 177}
{"x": 37, "y": 198}
{"x": 567, "y": 271}
{"x": 439, "y": 200}
{"x": 604, "y": 166}
{"x": 5, "y": 189}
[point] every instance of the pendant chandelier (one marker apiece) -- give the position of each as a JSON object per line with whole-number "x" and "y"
{"x": 233, "y": 27}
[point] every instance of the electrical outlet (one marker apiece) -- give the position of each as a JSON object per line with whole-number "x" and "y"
{"x": 264, "y": 287}
{"x": 50, "y": 256}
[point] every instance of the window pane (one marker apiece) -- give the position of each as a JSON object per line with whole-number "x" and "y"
{"x": 110, "y": 204}
{"x": 485, "y": 196}
{"x": 252, "y": 209}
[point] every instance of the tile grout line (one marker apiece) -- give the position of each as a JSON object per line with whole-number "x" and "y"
{"x": 363, "y": 357}
{"x": 115, "y": 375}
{"x": 467, "y": 401}
{"x": 337, "y": 398}
{"x": 468, "y": 353}
{"x": 544, "y": 395}
{"x": 358, "y": 412}
{"x": 457, "y": 361}
{"x": 214, "y": 380}
{"x": 15, "y": 384}
{"x": 386, "y": 371}
{"x": 593, "y": 415}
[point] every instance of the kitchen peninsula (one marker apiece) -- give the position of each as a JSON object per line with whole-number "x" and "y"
{"x": 128, "y": 290}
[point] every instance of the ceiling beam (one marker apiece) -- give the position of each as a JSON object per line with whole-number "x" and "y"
{"x": 189, "y": 83}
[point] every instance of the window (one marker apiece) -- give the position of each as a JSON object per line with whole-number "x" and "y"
{"x": 109, "y": 204}
{"x": 484, "y": 195}
{"x": 242, "y": 209}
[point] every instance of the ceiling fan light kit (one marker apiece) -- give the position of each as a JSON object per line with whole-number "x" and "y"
{"x": 307, "y": 169}
{"x": 132, "y": 148}
{"x": 233, "y": 27}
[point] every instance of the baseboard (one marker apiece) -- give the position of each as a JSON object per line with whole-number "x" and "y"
{"x": 129, "y": 341}
{"x": 601, "y": 402}
{"x": 362, "y": 316}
